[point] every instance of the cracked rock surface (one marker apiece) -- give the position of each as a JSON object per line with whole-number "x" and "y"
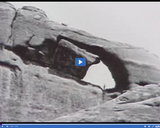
{"x": 144, "y": 107}
{"x": 39, "y": 82}
{"x": 7, "y": 15}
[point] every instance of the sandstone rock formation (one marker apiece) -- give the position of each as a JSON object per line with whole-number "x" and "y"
{"x": 7, "y": 15}
{"x": 138, "y": 105}
{"x": 39, "y": 82}
{"x": 64, "y": 59}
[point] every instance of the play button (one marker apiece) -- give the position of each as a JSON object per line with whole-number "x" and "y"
{"x": 80, "y": 61}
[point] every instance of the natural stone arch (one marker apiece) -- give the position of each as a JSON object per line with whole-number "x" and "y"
{"x": 111, "y": 60}
{"x": 118, "y": 71}
{"x": 128, "y": 64}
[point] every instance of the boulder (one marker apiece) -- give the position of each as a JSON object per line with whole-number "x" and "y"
{"x": 7, "y": 15}
{"x": 64, "y": 59}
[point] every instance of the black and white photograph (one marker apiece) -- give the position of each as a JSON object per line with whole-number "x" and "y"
{"x": 79, "y": 62}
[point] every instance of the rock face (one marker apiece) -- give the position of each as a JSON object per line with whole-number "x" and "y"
{"x": 7, "y": 15}
{"x": 144, "y": 107}
{"x": 35, "y": 39}
{"x": 39, "y": 97}
{"x": 39, "y": 82}
{"x": 64, "y": 59}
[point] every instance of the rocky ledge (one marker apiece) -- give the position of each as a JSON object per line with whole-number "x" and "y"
{"x": 39, "y": 82}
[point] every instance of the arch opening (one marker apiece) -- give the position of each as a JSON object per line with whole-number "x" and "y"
{"x": 99, "y": 74}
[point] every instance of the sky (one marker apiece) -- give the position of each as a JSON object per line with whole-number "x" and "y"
{"x": 135, "y": 23}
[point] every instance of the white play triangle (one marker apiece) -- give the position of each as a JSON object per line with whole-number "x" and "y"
{"x": 80, "y": 61}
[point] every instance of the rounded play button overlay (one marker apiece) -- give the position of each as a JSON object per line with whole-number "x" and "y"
{"x": 80, "y": 61}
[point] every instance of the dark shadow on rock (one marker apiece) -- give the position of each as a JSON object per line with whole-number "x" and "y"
{"x": 118, "y": 70}
{"x": 111, "y": 60}
{"x": 10, "y": 66}
{"x": 40, "y": 55}
{"x": 64, "y": 59}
